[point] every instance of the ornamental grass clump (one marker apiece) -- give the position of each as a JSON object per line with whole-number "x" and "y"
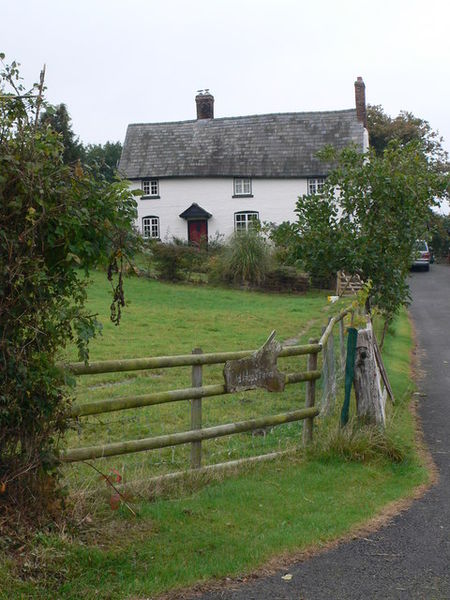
{"x": 245, "y": 259}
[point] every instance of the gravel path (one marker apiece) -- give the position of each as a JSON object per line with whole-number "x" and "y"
{"x": 409, "y": 559}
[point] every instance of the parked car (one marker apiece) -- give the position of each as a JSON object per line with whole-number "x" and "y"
{"x": 422, "y": 255}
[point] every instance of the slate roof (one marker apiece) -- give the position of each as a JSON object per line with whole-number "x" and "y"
{"x": 274, "y": 145}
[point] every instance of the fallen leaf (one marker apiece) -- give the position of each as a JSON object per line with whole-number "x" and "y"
{"x": 2, "y": 487}
{"x": 118, "y": 476}
{"x": 287, "y": 577}
{"x": 114, "y": 501}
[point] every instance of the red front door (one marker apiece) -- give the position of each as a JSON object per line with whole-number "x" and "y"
{"x": 198, "y": 231}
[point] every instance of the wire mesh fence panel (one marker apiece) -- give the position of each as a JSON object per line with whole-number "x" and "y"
{"x": 329, "y": 381}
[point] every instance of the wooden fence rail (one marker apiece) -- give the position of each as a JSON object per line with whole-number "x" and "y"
{"x": 195, "y": 394}
{"x": 332, "y": 322}
{"x": 216, "y": 389}
{"x": 174, "y": 439}
{"x": 182, "y": 360}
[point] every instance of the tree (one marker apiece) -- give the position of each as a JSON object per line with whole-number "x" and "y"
{"x": 404, "y": 128}
{"x": 372, "y": 210}
{"x": 103, "y": 158}
{"x": 56, "y": 223}
{"x": 439, "y": 226}
{"x": 59, "y": 121}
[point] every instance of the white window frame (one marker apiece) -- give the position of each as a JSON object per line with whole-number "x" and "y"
{"x": 244, "y": 220}
{"x": 150, "y": 187}
{"x": 150, "y": 227}
{"x": 315, "y": 185}
{"x": 242, "y": 186}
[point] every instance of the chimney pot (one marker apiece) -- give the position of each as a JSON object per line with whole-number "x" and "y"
{"x": 205, "y": 105}
{"x": 360, "y": 101}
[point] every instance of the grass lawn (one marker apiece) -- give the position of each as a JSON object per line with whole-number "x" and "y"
{"x": 164, "y": 319}
{"x": 234, "y": 525}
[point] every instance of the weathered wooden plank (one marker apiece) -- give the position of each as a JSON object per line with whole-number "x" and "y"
{"x": 259, "y": 370}
{"x": 382, "y": 368}
{"x": 182, "y": 360}
{"x": 126, "y": 402}
{"x": 175, "y": 439}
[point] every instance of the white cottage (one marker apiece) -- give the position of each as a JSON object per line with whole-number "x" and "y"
{"x": 210, "y": 175}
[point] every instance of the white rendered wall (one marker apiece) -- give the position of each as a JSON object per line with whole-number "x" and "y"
{"x": 273, "y": 199}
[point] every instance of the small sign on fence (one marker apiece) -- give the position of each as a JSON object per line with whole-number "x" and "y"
{"x": 256, "y": 371}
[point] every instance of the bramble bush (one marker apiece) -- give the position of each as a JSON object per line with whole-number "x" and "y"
{"x": 56, "y": 222}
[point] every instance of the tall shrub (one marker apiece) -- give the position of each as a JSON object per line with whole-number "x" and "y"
{"x": 177, "y": 260}
{"x": 56, "y": 222}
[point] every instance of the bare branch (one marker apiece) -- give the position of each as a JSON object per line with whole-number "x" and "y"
{"x": 39, "y": 97}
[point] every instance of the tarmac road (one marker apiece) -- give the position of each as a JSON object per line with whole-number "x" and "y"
{"x": 409, "y": 559}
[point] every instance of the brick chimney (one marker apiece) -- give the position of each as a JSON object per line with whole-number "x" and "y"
{"x": 205, "y": 104}
{"x": 360, "y": 100}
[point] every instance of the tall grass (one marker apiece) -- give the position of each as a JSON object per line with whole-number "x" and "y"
{"x": 245, "y": 259}
{"x": 359, "y": 443}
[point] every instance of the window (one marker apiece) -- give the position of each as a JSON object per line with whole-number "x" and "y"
{"x": 242, "y": 186}
{"x": 150, "y": 227}
{"x": 150, "y": 187}
{"x": 315, "y": 186}
{"x": 243, "y": 221}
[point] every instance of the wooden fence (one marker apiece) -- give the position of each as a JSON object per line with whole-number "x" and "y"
{"x": 197, "y": 360}
{"x": 348, "y": 285}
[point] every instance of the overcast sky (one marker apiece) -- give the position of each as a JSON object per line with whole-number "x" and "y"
{"x": 118, "y": 62}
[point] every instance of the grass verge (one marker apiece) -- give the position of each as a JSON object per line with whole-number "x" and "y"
{"x": 234, "y": 525}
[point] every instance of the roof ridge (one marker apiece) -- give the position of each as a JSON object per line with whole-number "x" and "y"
{"x": 277, "y": 114}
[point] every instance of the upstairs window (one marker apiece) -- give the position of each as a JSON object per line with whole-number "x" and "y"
{"x": 242, "y": 186}
{"x": 150, "y": 187}
{"x": 245, "y": 221}
{"x": 150, "y": 228}
{"x": 315, "y": 185}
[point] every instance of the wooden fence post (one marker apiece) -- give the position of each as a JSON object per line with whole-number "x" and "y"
{"x": 310, "y": 397}
{"x": 329, "y": 377}
{"x": 370, "y": 404}
{"x": 196, "y": 413}
{"x": 324, "y": 377}
{"x": 342, "y": 345}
